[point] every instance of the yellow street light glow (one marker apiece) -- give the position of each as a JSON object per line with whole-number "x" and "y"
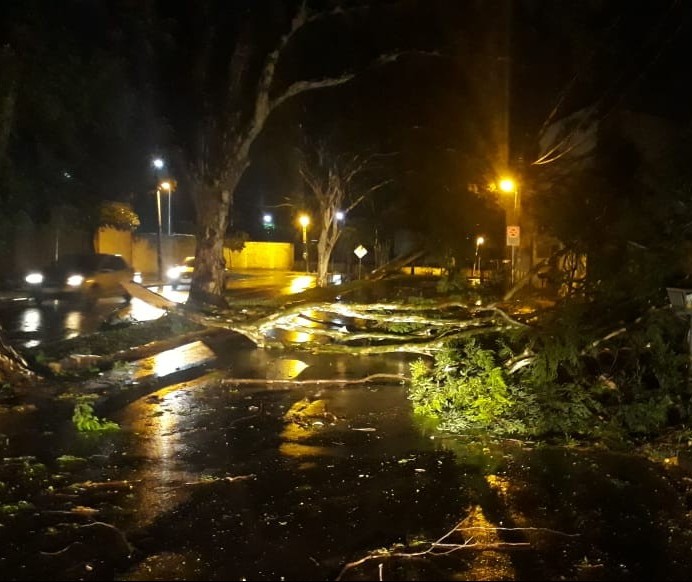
{"x": 304, "y": 220}
{"x": 480, "y": 240}
{"x": 166, "y": 185}
{"x": 507, "y": 185}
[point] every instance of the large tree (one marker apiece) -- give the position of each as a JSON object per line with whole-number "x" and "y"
{"x": 243, "y": 64}
{"x": 235, "y": 66}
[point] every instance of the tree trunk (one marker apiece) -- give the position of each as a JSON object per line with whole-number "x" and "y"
{"x": 325, "y": 246}
{"x": 213, "y": 206}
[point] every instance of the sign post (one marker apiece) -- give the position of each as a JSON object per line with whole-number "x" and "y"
{"x": 360, "y": 251}
{"x": 513, "y": 239}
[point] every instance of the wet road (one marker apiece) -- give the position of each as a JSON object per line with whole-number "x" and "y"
{"x": 208, "y": 480}
{"x": 29, "y": 325}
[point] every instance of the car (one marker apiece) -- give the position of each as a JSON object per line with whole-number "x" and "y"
{"x": 84, "y": 277}
{"x": 181, "y": 274}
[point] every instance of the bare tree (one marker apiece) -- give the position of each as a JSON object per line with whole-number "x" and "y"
{"x": 338, "y": 184}
{"x": 230, "y": 126}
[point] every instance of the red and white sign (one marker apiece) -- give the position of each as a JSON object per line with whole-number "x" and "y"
{"x": 513, "y": 235}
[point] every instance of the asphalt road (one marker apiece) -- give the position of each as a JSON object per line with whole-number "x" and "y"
{"x": 29, "y": 325}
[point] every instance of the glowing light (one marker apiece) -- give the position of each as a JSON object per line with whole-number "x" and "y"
{"x": 34, "y": 278}
{"x": 480, "y": 240}
{"x": 507, "y": 185}
{"x": 157, "y": 163}
{"x": 165, "y": 185}
{"x": 340, "y": 215}
{"x": 75, "y": 280}
{"x": 304, "y": 220}
{"x": 267, "y": 219}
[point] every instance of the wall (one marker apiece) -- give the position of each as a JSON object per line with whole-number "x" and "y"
{"x": 141, "y": 252}
{"x": 261, "y": 255}
{"x": 116, "y": 242}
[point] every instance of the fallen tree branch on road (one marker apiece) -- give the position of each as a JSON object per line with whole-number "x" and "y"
{"x": 442, "y": 547}
{"x": 316, "y": 382}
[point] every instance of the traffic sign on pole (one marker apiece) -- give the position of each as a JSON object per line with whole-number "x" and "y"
{"x": 513, "y": 236}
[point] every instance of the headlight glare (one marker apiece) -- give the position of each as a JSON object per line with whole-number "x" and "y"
{"x": 34, "y": 278}
{"x": 75, "y": 280}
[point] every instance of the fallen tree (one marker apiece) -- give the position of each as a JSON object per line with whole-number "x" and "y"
{"x": 13, "y": 367}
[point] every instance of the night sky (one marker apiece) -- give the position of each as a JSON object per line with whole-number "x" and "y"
{"x": 108, "y": 85}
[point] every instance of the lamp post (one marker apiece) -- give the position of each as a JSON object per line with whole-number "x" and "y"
{"x": 477, "y": 261}
{"x": 158, "y": 234}
{"x": 169, "y": 188}
{"x": 513, "y": 232}
{"x": 304, "y": 220}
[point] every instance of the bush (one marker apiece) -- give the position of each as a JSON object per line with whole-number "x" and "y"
{"x": 632, "y": 386}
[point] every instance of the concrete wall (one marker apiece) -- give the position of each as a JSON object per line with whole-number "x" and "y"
{"x": 115, "y": 242}
{"x": 140, "y": 250}
{"x": 261, "y": 255}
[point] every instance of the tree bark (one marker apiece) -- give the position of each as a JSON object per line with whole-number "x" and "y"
{"x": 213, "y": 207}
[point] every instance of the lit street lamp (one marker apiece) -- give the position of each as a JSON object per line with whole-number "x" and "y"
{"x": 167, "y": 186}
{"x": 304, "y": 220}
{"x": 513, "y": 232}
{"x": 477, "y": 260}
{"x": 158, "y": 233}
{"x": 158, "y": 163}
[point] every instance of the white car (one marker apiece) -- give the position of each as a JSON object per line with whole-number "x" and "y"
{"x": 181, "y": 274}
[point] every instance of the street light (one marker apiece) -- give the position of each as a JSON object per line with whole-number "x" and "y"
{"x": 158, "y": 163}
{"x": 158, "y": 233}
{"x": 513, "y": 233}
{"x": 167, "y": 186}
{"x": 477, "y": 260}
{"x": 304, "y": 220}
{"x": 509, "y": 186}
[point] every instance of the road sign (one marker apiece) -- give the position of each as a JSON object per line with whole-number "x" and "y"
{"x": 513, "y": 235}
{"x": 360, "y": 251}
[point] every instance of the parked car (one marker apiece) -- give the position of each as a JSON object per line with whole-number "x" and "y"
{"x": 181, "y": 274}
{"x": 85, "y": 277}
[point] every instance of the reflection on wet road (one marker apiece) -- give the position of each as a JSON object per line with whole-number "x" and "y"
{"x": 214, "y": 481}
{"x": 28, "y": 325}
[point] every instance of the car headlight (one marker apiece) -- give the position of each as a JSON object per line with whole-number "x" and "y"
{"x": 75, "y": 280}
{"x": 34, "y": 278}
{"x": 173, "y": 272}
